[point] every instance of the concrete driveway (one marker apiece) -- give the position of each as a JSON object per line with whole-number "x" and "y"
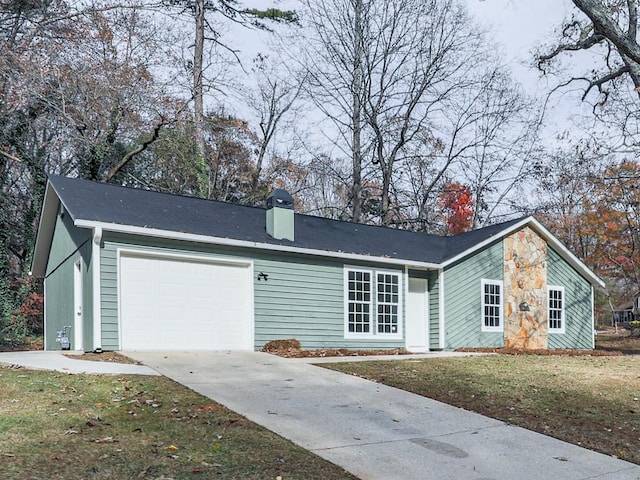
{"x": 375, "y": 431}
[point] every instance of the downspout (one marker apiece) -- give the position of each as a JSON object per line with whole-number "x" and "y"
{"x": 593, "y": 319}
{"x": 441, "y": 308}
{"x": 95, "y": 275}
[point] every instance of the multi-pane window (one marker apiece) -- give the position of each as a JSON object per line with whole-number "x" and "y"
{"x": 359, "y": 294}
{"x": 556, "y": 309}
{"x": 373, "y": 302}
{"x": 388, "y": 296}
{"x": 492, "y": 306}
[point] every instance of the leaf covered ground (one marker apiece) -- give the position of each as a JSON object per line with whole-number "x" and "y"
{"x": 60, "y": 426}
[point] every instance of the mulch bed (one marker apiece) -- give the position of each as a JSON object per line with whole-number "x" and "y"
{"x": 291, "y": 349}
{"x": 112, "y": 357}
{"x": 558, "y": 352}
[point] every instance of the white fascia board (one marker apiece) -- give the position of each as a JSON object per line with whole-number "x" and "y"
{"x": 190, "y": 237}
{"x": 46, "y": 226}
{"x": 548, "y": 236}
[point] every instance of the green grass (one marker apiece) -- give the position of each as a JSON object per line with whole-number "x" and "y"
{"x": 58, "y": 426}
{"x": 589, "y": 401}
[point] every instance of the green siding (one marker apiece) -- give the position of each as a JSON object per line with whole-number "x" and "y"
{"x": 302, "y": 298}
{"x": 578, "y": 305}
{"x": 463, "y": 301}
{"x": 69, "y": 244}
{"x": 434, "y": 310}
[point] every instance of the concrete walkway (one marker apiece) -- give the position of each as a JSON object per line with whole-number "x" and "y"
{"x": 55, "y": 360}
{"x": 375, "y": 431}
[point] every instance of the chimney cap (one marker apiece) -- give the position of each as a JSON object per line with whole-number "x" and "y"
{"x": 280, "y": 198}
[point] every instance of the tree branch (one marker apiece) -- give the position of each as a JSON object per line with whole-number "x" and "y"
{"x": 10, "y": 157}
{"x": 607, "y": 27}
{"x": 604, "y": 79}
{"x": 142, "y": 147}
{"x": 584, "y": 44}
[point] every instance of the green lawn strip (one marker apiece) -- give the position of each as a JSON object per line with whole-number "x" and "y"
{"x": 589, "y": 401}
{"x": 58, "y": 426}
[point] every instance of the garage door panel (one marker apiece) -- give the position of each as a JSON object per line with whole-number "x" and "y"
{"x": 177, "y": 304}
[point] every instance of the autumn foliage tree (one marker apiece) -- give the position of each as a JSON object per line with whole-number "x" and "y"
{"x": 457, "y": 203}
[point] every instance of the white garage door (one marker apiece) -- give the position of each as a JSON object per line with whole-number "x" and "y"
{"x": 180, "y": 304}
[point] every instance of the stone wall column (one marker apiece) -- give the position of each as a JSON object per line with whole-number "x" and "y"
{"x": 525, "y": 291}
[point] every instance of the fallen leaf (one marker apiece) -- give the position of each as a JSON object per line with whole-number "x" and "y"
{"x": 171, "y": 447}
{"x": 105, "y": 440}
{"x": 71, "y": 431}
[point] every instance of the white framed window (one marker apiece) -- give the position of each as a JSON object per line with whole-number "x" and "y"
{"x": 555, "y": 299}
{"x": 373, "y": 303}
{"x": 492, "y": 306}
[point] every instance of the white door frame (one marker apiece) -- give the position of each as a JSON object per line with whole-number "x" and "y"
{"x": 417, "y": 315}
{"x": 78, "y": 315}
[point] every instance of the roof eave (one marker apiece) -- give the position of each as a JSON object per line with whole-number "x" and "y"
{"x": 190, "y": 237}
{"x": 46, "y": 227}
{"x": 548, "y": 236}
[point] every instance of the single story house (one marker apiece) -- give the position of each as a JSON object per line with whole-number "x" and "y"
{"x": 627, "y": 311}
{"x": 130, "y": 269}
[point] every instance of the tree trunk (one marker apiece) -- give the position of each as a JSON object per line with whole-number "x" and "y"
{"x": 356, "y": 117}
{"x": 198, "y": 102}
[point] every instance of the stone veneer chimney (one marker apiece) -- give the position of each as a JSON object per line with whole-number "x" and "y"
{"x": 280, "y": 215}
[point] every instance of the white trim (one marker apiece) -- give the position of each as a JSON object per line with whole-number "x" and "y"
{"x": 44, "y": 313}
{"x": 373, "y": 311}
{"x": 500, "y": 283}
{"x": 238, "y": 262}
{"x": 544, "y": 233}
{"x": 441, "y": 326}
{"x": 593, "y": 319}
{"x": 78, "y": 305}
{"x": 409, "y": 345}
{"x": 46, "y": 227}
{"x": 563, "y": 318}
{"x": 405, "y": 293}
{"x": 190, "y": 237}
{"x": 96, "y": 268}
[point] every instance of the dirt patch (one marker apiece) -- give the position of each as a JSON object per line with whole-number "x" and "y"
{"x": 112, "y": 357}
{"x": 290, "y": 348}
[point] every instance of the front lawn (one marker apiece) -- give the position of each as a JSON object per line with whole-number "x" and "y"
{"x": 59, "y": 426}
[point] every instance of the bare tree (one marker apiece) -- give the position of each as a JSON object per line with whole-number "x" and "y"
{"x": 208, "y": 17}
{"x": 610, "y": 32}
{"x": 335, "y": 33}
{"x": 271, "y": 100}
{"x": 402, "y": 82}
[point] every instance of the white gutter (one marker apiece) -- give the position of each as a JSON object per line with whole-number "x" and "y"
{"x": 97, "y": 290}
{"x": 190, "y": 237}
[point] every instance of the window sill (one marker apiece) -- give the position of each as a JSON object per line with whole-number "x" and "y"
{"x": 369, "y": 336}
{"x": 492, "y": 330}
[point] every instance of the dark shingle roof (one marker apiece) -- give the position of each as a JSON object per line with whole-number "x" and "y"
{"x": 107, "y": 203}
